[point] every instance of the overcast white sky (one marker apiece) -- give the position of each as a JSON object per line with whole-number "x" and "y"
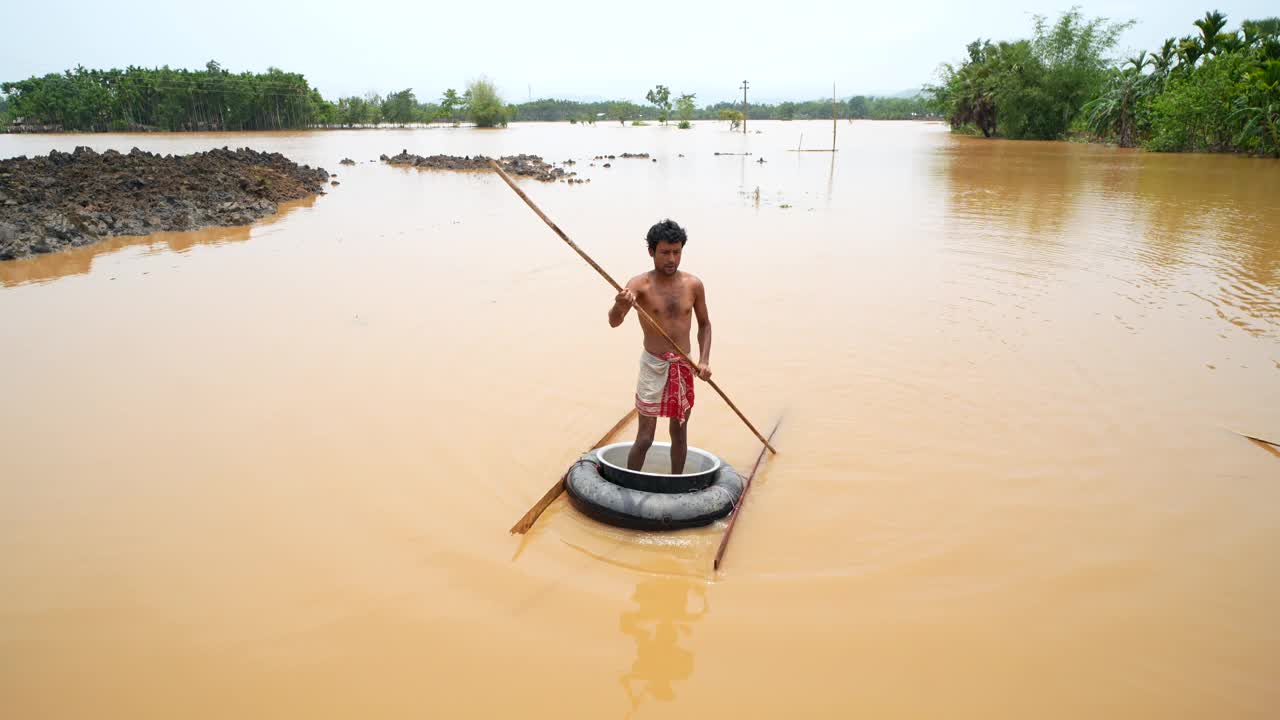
{"x": 568, "y": 48}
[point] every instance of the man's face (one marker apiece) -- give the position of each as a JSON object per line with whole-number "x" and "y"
{"x": 666, "y": 257}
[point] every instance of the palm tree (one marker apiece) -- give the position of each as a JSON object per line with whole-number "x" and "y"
{"x": 1163, "y": 62}
{"x": 1141, "y": 61}
{"x": 1229, "y": 43}
{"x": 1257, "y": 31}
{"x": 1260, "y": 110}
{"x": 1114, "y": 113}
{"x": 1210, "y": 25}
{"x": 1189, "y": 51}
{"x": 967, "y": 93}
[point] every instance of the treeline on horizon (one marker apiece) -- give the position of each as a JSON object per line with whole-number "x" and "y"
{"x": 856, "y": 108}
{"x": 213, "y": 99}
{"x": 1209, "y": 91}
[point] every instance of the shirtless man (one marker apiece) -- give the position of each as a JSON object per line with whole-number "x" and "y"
{"x": 672, "y": 298}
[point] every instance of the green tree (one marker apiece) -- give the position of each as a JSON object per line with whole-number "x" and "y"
{"x": 1210, "y": 27}
{"x": 400, "y": 107}
{"x": 1075, "y": 55}
{"x": 1162, "y": 61}
{"x": 733, "y": 117}
{"x": 1189, "y": 51}
{"x": 1030, "y": 88}
{"x": 485, "y": 107}
{"x": 660, "y": 97}
{"x": 684, "y": 109}
{"x": 620, "y": 111}
{"x": 1193, "y": 112}
{"x": 449, "y": 104}
{"x": 967, "y": 95}
{"x": 167, "y": 99}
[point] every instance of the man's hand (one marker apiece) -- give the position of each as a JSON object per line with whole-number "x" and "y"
{"x": 621, "y": 306}
{"x": 704, "y": 372}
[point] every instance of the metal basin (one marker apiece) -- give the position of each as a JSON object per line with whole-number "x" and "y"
{"x": 700, "y": 468}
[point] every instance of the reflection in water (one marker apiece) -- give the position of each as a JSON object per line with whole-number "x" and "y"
{"x": 1158, "y": 225}
{"x": 79, "y": 260}
{"x": 666, "y": 607}
{"x": 1027, "y": 191}
{"x": 1269, "y": 447}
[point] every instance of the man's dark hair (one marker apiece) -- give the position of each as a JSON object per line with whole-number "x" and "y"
{"x": 665, "y": 231}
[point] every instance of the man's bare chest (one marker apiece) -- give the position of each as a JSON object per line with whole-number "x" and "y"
{"x": 673, "y": 303}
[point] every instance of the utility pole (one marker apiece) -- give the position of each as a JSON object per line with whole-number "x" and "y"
{"x": 833, "y": 117}
{"x": 744, "y": 106}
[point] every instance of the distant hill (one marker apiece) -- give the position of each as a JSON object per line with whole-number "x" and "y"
{"x": 908, "y": 94}
{"x": 900, "y": 95}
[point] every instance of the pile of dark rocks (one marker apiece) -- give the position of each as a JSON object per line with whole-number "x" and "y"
{"x": 62, "y": 200}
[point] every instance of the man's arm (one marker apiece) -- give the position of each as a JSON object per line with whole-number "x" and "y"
{"x": 704, "y": 330}
{"x": 622, "y": 304}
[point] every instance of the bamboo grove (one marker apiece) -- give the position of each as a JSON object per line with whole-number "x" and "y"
{"x": 1209, "y": 91}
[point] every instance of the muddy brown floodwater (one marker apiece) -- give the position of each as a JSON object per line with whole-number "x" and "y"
{"x": 269, "y": 471}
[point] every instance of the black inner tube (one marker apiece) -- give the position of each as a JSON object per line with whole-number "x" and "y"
{"x": 626, "y": 507}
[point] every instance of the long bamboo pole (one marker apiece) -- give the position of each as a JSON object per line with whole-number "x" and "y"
{"x": 524, "y": 524}
{"x": 643, "y": 314}
{"x": 737, "y": 508}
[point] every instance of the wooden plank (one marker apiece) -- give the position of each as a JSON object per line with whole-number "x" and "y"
{"x": 524, "y": 524}
{"x": 737, "y": 510}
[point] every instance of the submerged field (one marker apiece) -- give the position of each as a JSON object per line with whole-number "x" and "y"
{"x": 269, "y": 470}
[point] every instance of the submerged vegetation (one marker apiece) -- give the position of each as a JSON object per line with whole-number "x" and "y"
{"x": 660, "y": 98}
{"x": 733, "y": 117}
{"x": 685, "y": 109}
{"x": 1209, "y": 91}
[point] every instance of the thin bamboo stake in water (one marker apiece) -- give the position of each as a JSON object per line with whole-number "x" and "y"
{"x": 643, "y": 314}
{"x": 526, "y": 523}
{"x": 833, "y": 117}
{"x": 737, "y": 508}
